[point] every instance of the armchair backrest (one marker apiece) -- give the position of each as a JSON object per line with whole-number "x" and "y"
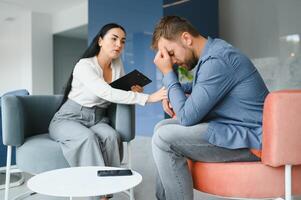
{"x": 25, "y": 116}
{"x": 282, "y": 128}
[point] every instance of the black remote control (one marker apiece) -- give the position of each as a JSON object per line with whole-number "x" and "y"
{"x": 118, "y": 172}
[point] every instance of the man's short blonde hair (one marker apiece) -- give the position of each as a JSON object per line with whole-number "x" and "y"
{"x": 170, "y": 27}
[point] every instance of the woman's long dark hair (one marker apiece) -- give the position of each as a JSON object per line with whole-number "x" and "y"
{"x": 91, "y": 51}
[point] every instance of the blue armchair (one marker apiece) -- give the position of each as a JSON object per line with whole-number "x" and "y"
{"x": 25, "y": 126}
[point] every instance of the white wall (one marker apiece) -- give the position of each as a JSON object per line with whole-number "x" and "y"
{"x": 26, "y": 52}
{"x": 250, "y": 25}
{"x": 260, "y": 29}
{"x": 26, "y": 45}
{"x": 42, "y": 54}
{"x": 15, "y": 49}
{"x": 70, "y": 18}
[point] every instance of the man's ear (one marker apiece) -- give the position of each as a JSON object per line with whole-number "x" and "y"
{"x": 186, "y": 38}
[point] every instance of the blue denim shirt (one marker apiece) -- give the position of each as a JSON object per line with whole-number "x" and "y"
{"x": 227, "y": 92}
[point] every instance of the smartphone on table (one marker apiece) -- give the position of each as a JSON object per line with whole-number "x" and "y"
{"x": 117, "y": 172}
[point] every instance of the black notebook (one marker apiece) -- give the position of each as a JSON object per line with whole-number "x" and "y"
{"x": 133, "y": 78}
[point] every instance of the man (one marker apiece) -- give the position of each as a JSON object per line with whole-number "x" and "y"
{"x": 221, "y": 118}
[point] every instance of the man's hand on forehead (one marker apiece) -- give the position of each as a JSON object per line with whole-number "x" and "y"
{"x": 163, "y": 61}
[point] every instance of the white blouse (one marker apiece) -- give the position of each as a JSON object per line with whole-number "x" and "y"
{"x": 90, "y": 89}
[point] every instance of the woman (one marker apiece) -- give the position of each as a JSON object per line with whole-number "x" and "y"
{"x": 80, "y": 125}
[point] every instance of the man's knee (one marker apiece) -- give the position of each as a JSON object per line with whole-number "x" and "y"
{"x": 163, "y": 137}
{"x": 158, "y": 125}
{"x": 164, "y": 123}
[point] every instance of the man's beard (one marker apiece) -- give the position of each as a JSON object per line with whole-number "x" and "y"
{"x": 192, "y": 61}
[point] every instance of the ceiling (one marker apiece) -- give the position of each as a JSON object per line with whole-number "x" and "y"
{"x": 43, "y": 6}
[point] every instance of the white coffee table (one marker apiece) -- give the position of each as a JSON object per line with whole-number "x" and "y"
{"x": 81, "y": 182}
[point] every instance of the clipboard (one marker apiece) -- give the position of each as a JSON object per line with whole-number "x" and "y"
{"x": 133, "y": 78}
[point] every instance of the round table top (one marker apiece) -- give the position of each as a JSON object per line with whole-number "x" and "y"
{"x": 81, "y": 182}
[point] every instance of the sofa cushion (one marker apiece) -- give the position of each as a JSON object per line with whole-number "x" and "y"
{"x": 42, "y": 150}
{"x": 243, "y": 179}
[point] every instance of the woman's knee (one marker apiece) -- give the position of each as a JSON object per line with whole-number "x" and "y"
{"x": 111, "y": 135}
{"x": 89, "y": 135}
{"x": 83, "y": 137}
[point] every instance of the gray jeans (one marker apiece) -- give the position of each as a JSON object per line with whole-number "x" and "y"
{"x": 172, "y": 144}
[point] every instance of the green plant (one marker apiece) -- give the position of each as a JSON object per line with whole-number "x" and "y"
{"x": 184, "y": 74}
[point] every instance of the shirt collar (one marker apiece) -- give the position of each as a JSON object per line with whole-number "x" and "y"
{"x": 205, "y": 50}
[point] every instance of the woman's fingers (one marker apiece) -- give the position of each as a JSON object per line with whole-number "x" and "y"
{"x": 137, "y": 88}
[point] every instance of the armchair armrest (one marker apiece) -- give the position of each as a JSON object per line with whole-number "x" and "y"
{"x": 282, "y": 128}
{"x": 12, "y": 121}
{"x": 123, "y": 120}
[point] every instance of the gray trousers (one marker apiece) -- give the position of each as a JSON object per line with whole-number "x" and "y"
{"x": 85, "y": 136}
{"x": 172, "y": 144}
